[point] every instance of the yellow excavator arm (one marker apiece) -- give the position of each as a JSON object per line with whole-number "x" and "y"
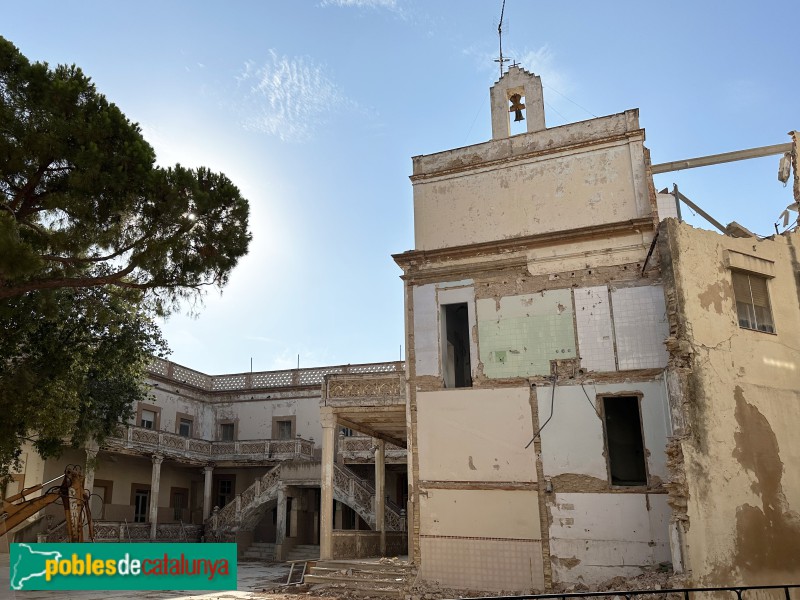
{"x": 17, "y": 508}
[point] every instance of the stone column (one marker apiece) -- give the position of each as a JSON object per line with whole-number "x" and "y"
{"x": 328, "y": 420}
{"x": 380, "y": 491}
{"x": 155, "y": 481}
{"x": 88, "y": 471}
{"x": 208, "y": 471}
{"x": 280, "y": 526}
{"x": 88, "y": 486}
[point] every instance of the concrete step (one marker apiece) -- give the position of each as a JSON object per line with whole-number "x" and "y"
{"x": 367, "y": 578}
{"x": 366, "y": 587}
{"x": 365, "y": 566}
{"x": 396, "y": 573}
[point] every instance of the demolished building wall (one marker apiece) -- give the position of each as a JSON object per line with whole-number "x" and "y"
{"x": 735, "y": 405}
{"x": 541, "y": 241}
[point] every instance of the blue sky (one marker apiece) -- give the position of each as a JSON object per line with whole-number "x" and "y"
{"x": 314, "y": 108}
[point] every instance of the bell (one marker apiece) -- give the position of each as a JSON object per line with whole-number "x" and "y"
{"x": 517, "y": 106}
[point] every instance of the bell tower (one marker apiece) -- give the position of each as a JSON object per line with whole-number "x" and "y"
{"x": 518, "y": 93}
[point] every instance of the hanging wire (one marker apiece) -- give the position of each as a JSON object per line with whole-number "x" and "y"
{"x": 570, "y": 99}
{"x": 483, "y": 103}
{"x": 550, "y": 106}
{"x": 594, "y": 408}
{"x": 552, "y": 405}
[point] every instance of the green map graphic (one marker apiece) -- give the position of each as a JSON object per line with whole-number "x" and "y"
{"x": 29, "y": 564}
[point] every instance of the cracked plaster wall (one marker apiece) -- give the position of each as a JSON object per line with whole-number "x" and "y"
{"x": 737, "y": 410}
{"x": 598, "y": 177}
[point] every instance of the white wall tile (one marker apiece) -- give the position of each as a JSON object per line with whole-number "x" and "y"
{"x": 595, "y": 332}
{"x": 640, "y": 325}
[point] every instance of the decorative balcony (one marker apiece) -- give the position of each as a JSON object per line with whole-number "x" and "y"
{"x": 360, "y": 449}
{"x": 138, "y": 440}
{"x": 371, "y": 403}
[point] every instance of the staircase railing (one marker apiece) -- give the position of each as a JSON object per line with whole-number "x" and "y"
{"x": 348, "y": 487}
{"x": 361, "y": 494}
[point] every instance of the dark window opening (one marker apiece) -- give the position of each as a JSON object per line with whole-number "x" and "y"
{"x": 141, "y": 502}
{"x": 626, "y": 455}
{"x": 226, "y": 432}
{"x": 224, "y": 492}
{"x": 457, "y": 369}
{"x": 752, "y": 302}
{"x": 185, "y": 427}
{"x": 284, "y": 430}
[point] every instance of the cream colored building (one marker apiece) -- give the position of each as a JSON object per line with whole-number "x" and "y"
{"x": 734, "y": 375}
{"x": 535, "y": 328}
{"x": 230, "y": 457}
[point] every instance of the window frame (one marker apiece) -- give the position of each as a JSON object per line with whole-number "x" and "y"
{"x": 234, "y": 423}
{"x": 142, "y": 406}
{"x": 639, "y": 396}
{"x": 276, "y": 428}
{"x": 179, "y": 416}
{"x": 751, "y": 304}
{"x": 446, "y": 307}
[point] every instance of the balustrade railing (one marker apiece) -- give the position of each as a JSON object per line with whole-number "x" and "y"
{"x": 170, "y": 444}
{"x": 264, "y": 379}
{"x": 360, "y": 447}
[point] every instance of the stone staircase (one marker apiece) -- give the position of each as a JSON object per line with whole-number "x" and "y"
{"x": 304, "y": 552}
{"x": 366, "y": 578}
{"x": 260, "y": 551}
{"x": 243, "y": 514}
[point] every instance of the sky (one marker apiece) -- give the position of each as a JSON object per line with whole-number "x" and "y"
{"x": 315, "y": 108}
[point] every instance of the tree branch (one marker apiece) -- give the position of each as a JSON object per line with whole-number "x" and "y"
{"x": 71, "y": 282}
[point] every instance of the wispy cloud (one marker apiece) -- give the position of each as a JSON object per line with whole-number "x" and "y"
{"x": 542, "y": 61}
{"x": 390, "y": 4}
{"x": 288, "y": 97}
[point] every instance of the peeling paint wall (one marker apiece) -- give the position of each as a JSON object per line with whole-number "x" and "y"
{"x": 519, "y": 335}
{"x": 475, "y": 435}
{"x": 551, "y": 230}
{"x": 253, "y": 413}
{"x": 479, "y": 521}
{"x": 595, "y": 537}
{"x": 572, "y": 442}
{"x": 736, "y": 405}
{"x": 597, "y": 178}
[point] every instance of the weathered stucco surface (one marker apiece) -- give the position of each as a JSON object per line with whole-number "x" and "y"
{"x": 595, "y": 537}
{"x": 475, "y": 435}
{"x": 736, "y": 408}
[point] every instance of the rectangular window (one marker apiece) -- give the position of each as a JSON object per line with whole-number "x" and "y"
{"x": 624, "y": 443}
{"x": 185, "y": 427}
{"x": 455, "y": 346}
{"x": 226, "y": 432}
{"x": 179, "y": 501}
{"x": 752, "y": 302}
{"x": 148, "y": 419}
{"x": 141, "y": 503}
{"x": 224, "y": 491}
{"x": 284, "y": 430}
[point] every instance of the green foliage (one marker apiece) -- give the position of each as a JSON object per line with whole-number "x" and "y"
{"x": 75, "y": 363}
{"x": 95, "y": 240}
{"x": 84, "y": 205}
